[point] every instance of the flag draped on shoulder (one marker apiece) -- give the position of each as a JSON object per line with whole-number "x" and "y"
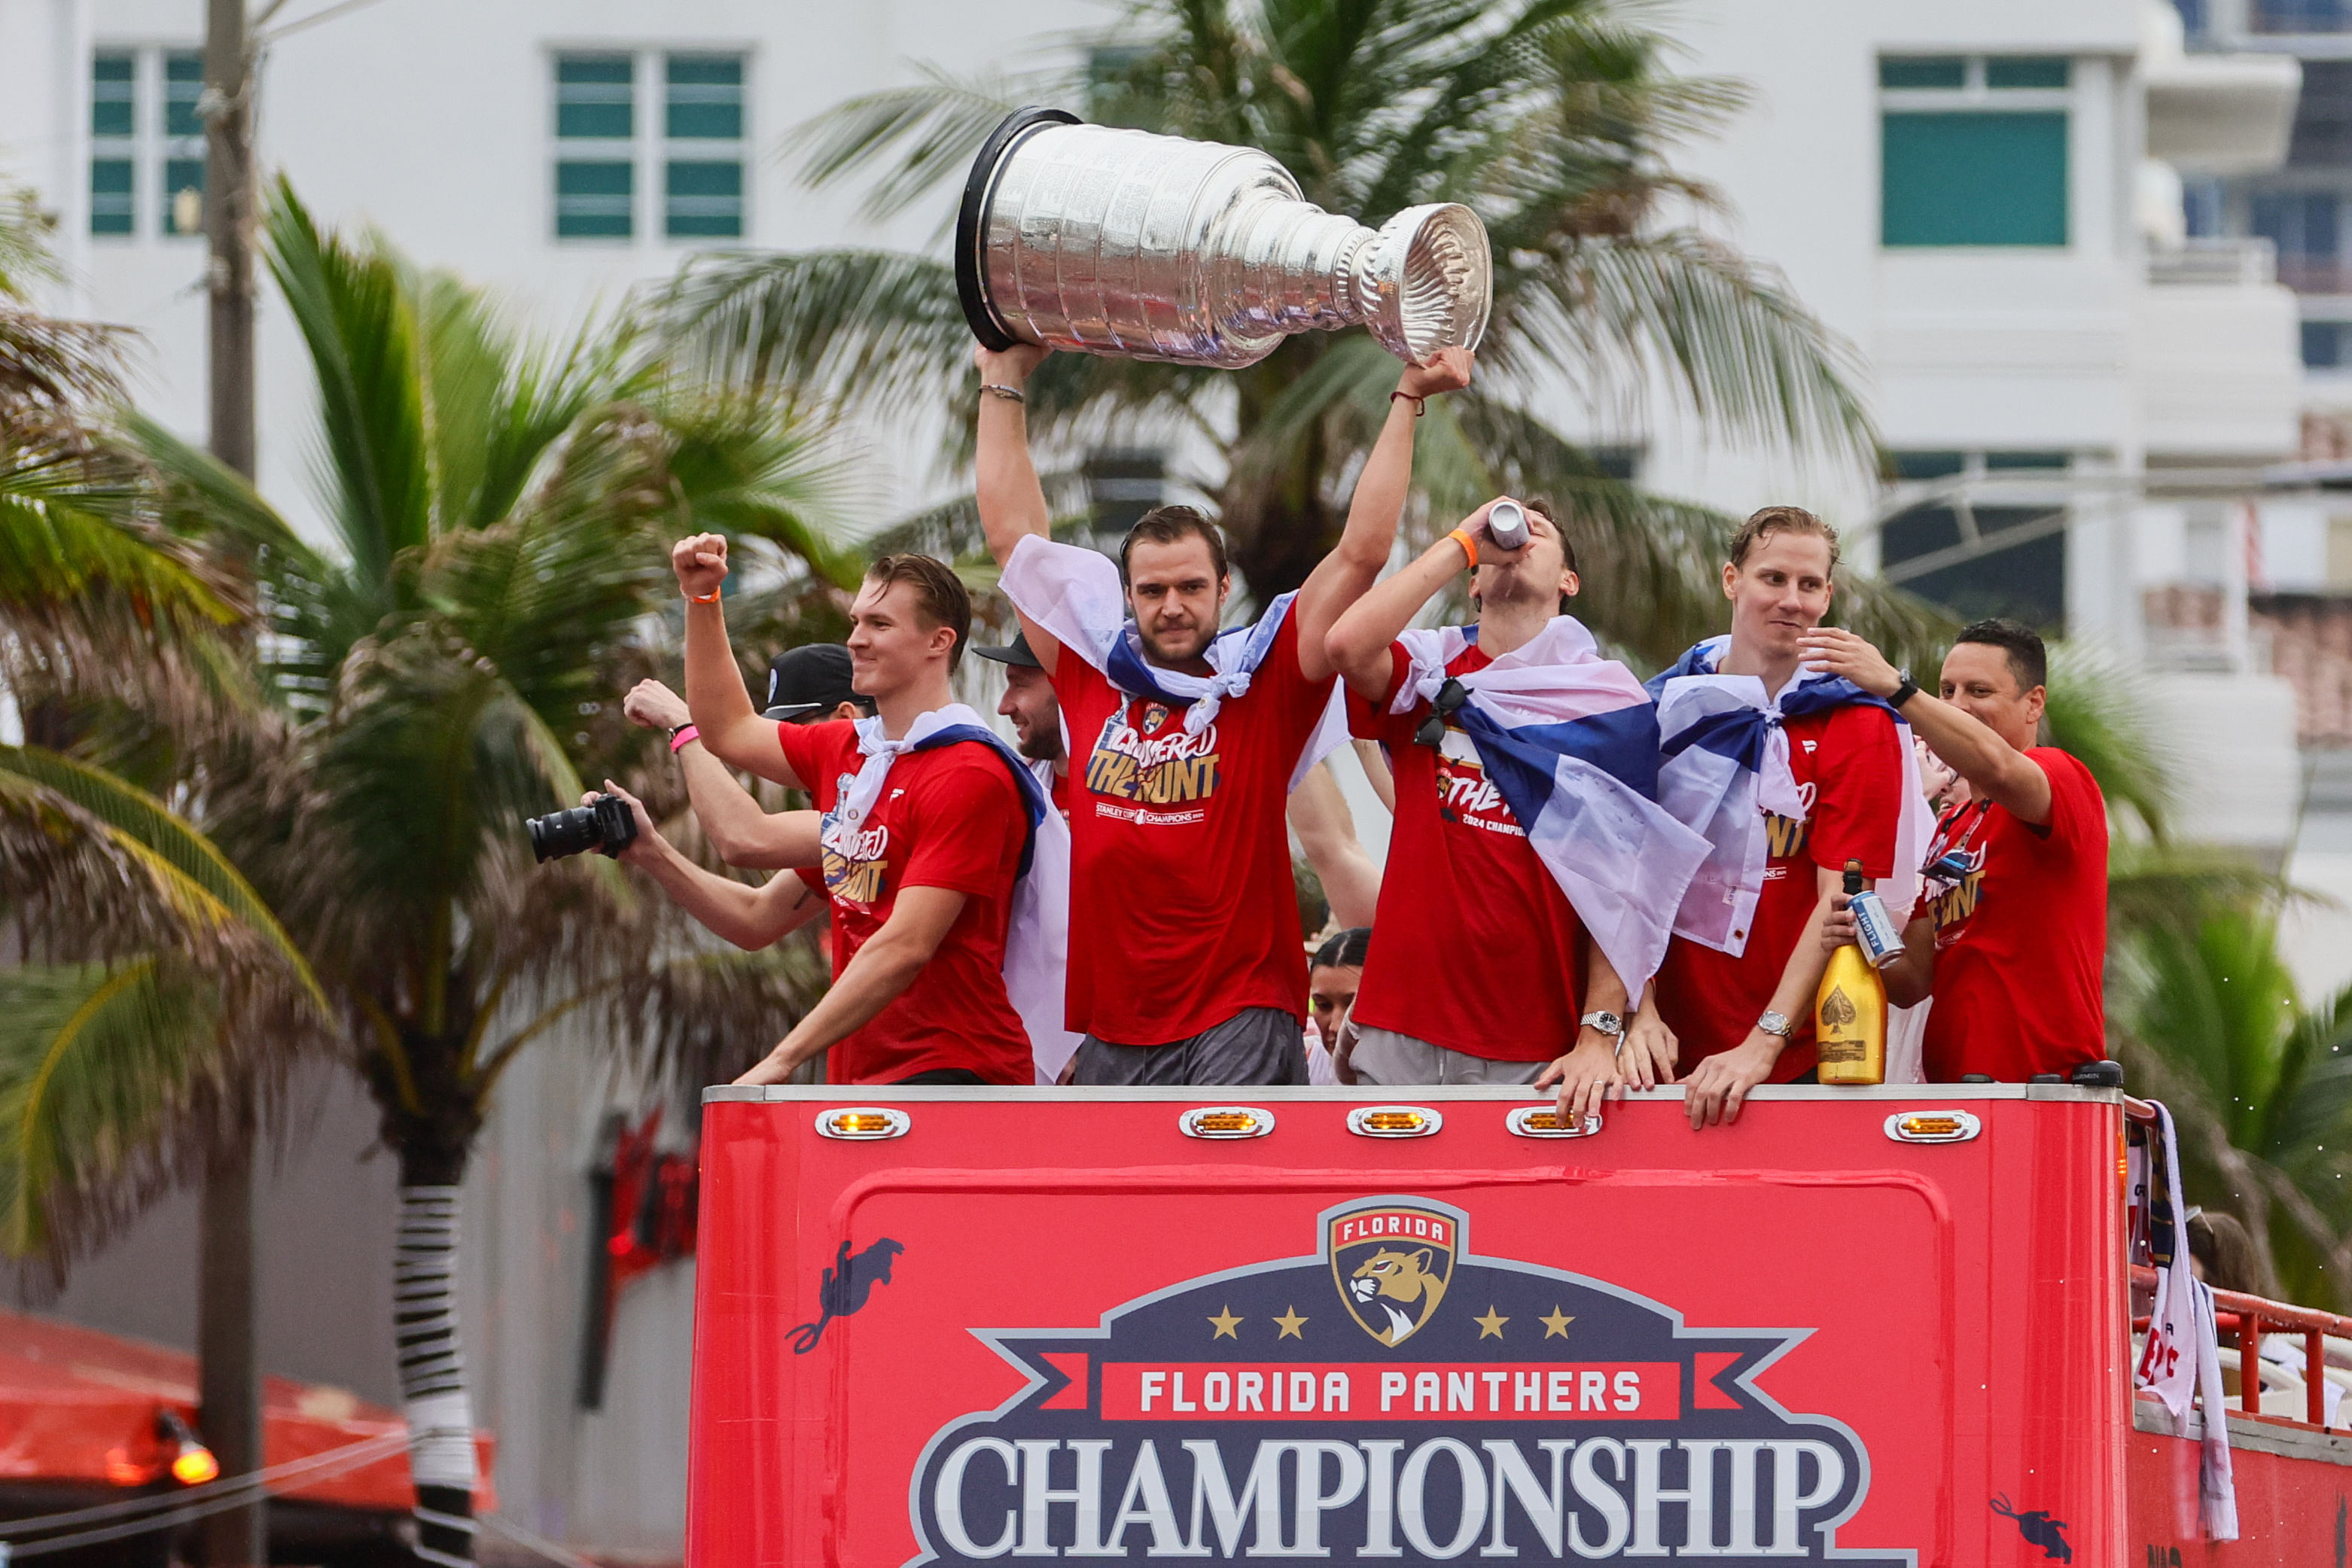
{"x": 1570, "y": 739}
{"x": 1724, "y": 762}
{"x": 1074, "y": 593}
{"x": 1037, "y": 935}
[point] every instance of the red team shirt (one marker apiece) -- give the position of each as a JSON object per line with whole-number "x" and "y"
{"x": 1464, "y": 890}
{"x": 951, "y": 817}
{"x": 1848, "y": 763}
{"x": 1182, "y": 907}
{"x": 2022, "y": 938}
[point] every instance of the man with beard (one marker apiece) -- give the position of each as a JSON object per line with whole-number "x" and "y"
{"x": 1185, "y": 964}
{"x": 1036, "y": 716}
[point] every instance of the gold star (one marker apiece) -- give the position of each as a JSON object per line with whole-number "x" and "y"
{"x": 1290, "y": 1322}
{"x": 1223, "y": 1324}
{"x": 1556, "y": 1325}
{"x": 1492, "y": 1323}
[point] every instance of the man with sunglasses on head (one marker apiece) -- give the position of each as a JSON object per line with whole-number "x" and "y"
{"x": 1185, "y": 964}
{"x": 2012, "y": 943}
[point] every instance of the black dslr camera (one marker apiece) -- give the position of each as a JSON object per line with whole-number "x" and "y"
{"x": 605, "y": 825}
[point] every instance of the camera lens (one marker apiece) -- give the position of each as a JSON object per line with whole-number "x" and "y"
{"x": 561, "y": 833}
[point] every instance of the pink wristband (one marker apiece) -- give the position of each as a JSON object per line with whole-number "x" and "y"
{"x": 685, "y": 732}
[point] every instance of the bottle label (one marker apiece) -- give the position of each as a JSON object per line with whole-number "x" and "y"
{"x": 1830, "y": 1049}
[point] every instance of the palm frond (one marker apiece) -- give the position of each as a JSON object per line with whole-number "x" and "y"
{"x": 939, "y": 123}
{"x": 2101, "y": 710}
{"x": 97, "y": 1062}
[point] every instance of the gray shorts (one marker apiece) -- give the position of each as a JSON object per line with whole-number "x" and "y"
{"x": 1255, "y": 1046}
{"x": 1383, "y": 1056}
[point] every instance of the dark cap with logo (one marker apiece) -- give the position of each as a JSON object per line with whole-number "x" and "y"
{"x": 1014, "y": 653}
{"x": 812, "y": 680}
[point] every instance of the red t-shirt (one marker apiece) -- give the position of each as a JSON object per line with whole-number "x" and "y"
{"x": 2021, "y": 940}
{"x": 1182, "y": 911}
{"x": 951, "y": 817}
{"x": 1464, "y": 892}
{"x": 1848, "y": 765}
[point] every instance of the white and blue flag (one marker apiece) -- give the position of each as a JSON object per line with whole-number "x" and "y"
{"x": 1570, "y": 739}
{"x": 1724, "y": 763}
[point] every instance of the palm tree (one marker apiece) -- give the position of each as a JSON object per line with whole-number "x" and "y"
{"x": 1554, "y": 118}
{"x": 499, "y": 510}
{"x": 154, "y": 985}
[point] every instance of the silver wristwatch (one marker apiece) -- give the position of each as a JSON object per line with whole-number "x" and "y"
{"x": 1775, "y": 1023}
{"x": 1608, "y": 1023}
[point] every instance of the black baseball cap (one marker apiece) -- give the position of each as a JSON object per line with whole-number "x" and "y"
{"x": 1014, "y": 653}
{"x": 810, "y": 679}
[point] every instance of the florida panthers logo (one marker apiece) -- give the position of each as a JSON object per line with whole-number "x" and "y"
{"x": 1391, "y": 1264}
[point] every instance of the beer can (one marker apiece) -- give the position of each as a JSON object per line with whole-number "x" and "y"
{"x": 1875, "y": 931}
{"x": 1506, "y": 525}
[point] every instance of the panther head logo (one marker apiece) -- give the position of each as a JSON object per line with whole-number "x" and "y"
{"x": 1154, "y": 715}
{"x": 1391, "y": 1262}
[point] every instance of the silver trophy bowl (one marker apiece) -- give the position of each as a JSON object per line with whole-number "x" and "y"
{"x": 1154, "y": 247}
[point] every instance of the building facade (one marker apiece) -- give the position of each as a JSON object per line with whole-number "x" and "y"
{"x": 2087, "y": 254}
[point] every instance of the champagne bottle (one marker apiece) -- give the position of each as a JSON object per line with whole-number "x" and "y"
{"x": 1850, "y": 1011}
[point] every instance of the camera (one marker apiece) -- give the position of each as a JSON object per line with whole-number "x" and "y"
{"x": 605, "y": 825}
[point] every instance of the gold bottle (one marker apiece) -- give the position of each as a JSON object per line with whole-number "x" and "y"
{"x": 1850, "y": 1011}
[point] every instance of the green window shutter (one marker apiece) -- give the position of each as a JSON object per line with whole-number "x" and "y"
{"x": 703, "y": 199}
{"x": 595, "y": 97}
{"x": 1966, "y": 179}
{"x": 184, "y": 84}
{"x": 595, "y": 200}
{"x": 111, "y": 199}
{"x": 2027, "y": 71}
{"x": 705, "y": 98}
{"x": 1923, "y": 71}
{"x": 112, "y": 84}
{"x": 183, "y": 175}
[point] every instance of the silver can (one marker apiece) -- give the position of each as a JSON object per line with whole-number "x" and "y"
{"x": 1506, "y": 525}
{"x": 1155, "y": 248}
{"x": 1875, "y": 931}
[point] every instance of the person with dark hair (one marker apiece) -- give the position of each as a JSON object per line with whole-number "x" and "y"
{"x": 1029, "y": 702}
{"x": 1185, "y": 964}
{"x": 1790, "y": 773}
{"x": 2221, "y": 1253}
{"x": 943, "y": 861}
{"x": 1334, "y": 975}
{"x": 1466, "y": 874}
{"x": 2013, "y": 943}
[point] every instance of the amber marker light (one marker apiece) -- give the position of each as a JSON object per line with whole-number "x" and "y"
{"x": 1393, "y": 1121}
{"x": 192, "y": 1464}
{"x": 1226, "y": 1122}
{"x": 1544, "y": 1122}
{"x": 1932, "y": 1126}
{"x": 862, "y": 1123}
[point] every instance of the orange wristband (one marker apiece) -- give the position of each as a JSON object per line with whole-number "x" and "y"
{"x": 1469, "y": 546}
{"x": 709, "y": 597}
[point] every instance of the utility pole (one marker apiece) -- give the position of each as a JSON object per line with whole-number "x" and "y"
{"x": 228, "y": 1353}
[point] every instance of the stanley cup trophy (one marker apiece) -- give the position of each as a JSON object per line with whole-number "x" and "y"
{"x": 1153, "y": 247}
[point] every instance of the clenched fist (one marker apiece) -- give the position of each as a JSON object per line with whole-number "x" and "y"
{"x": 700, "y": 563}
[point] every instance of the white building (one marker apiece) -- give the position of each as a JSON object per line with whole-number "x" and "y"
{"x": 1985, "y": 199}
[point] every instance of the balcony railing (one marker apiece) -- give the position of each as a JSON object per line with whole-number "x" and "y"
{"x": 2226, "y": 262}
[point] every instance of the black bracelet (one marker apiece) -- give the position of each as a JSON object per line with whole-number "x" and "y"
{"x": 1903, "y": 692}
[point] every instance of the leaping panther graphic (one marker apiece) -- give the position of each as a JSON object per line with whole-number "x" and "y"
{"x": 1390, "y": 1276}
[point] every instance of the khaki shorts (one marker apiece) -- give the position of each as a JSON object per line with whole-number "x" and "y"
{"x": 1383, "y": 1057}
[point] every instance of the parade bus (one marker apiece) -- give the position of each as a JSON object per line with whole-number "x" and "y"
{"x": 1864, "y": 1325}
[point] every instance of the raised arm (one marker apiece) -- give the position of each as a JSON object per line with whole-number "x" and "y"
{"x": 744, "y": 833}
{"x": 884, "y": 967}
{"x": 1339, "y": 578}
{"x": 1012, "y": 502}
{"x": 1995, "y": 769}
{"x": 1359, "y": 644}
{"x": 1326, "y": 836}
{"x": 750, "y": 917}
{"x": 714, "y": 694}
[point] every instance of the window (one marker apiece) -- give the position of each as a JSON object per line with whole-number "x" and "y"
{"x": 702, "y": 174}
{"x": 145, "y": 135}
{"x": 1973, "y": 150}
{"x": 689, "y": 147}
{"x": 1989, "y": 539}
{"x": 2326, "y": 345}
